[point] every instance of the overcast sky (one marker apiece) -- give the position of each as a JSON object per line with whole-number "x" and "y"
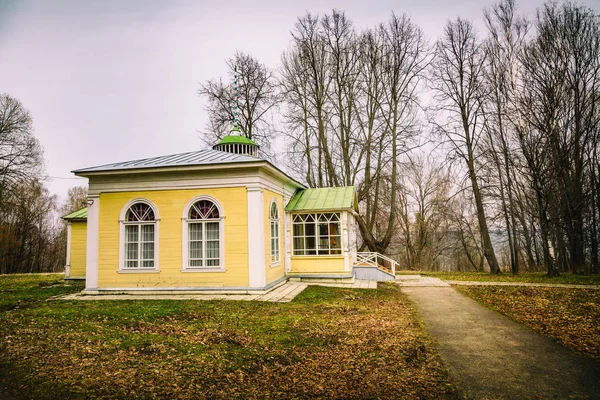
{"x": 109, "y": 81}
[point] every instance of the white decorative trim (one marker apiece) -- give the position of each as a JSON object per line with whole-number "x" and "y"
{"x": 138, "y": 271}
{"x": 122, "y": 216}
{"x": 91, "y": 260}
{"x": 256, "y": 237}
{"x": 191, "y": 180}
{"x": 204, "y": 269}
{"x": 68, "y": 261}
{"x": 184, "y": 236}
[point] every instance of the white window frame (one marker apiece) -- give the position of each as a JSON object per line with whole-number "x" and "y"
{"x": 275, "y": 261}
{"x": 185, "y": 221}
{"x": 123, "y": 223}
{"x": 317, "y": 236}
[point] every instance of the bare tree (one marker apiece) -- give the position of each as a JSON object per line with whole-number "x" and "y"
{"x": 258, "y": 95}
{"x": 457, "y": 80}
{"x": 76, "y": 199}
{"x": 425, "y": 213}
{"x": 306, "y": 78}
{"x": 506, "y": 39}
{"x": 20, "y": 151}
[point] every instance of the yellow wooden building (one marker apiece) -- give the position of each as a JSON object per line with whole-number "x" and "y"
{"x": 221, "y": 219}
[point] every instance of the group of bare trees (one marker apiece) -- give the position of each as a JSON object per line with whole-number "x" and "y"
{"x": 512, "y": 113}
{"x": 31, "y": 237}
{"x": 541, "y": 128}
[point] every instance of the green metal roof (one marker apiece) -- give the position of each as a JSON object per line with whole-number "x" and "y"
{"x": 79, "y": 214}
{"x": 333, "y": 198}
{"x": 236, "y": 139}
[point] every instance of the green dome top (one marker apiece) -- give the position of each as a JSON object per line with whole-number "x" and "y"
{"x": 236, "y": 139}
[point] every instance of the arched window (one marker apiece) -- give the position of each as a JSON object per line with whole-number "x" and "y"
{"x": 139, "y": 235}
{"x": 274, "y": 217}
{"x": 203, "y": 234}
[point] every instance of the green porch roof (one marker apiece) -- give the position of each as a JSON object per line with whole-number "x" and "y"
{"x": 318, "y": 199}
{"x": 80, "y": 214}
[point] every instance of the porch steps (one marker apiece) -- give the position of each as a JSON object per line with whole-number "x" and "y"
{"x": 337, "y": 279}
{"x": 374, "y": 266}
{"x": 370, "y": 272}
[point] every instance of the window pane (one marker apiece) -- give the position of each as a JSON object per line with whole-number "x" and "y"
{"x": 147, "y": 233}
{"x": 309, "y": 218}
{"x": 311, "y": 244}
{"x": 195, "y": 263}
{"x": 299, "y": 246}
{"x": 334, "y": 228}
{"x": 131, "y": 251}
{"x": 212, "y": 263}
{"x": 131, "y": 264}
{"x": 309, "y": 229}
{"x": 298, "y": 229}
{"x": 204, "y": 209}
{"x": 212, "y": 250}
{"x": 140, "y": 212}
{"x": 324, "y": 243}
{"x": 131, "y": 233}
{"x": 195, "y": 231}
{"x": 323, "y": 229}
{"x": 148, "y": 251}
{"x": 212, "y": 231}
{"x": 195, "y": 250}
{"x": 148, "y": 264}
{"x": 335, "y": 242}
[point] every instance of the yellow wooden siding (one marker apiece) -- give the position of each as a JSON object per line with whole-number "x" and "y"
{"x": 318, "y": 265}
{"x": 170, "y": 205}
{"x": 277, "y": 271}
{"x": 78, "y": 248}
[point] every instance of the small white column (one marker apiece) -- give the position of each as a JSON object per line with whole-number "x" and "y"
{"x": 287, "y": 237}
{"x": 91, "y": 260}
{"x": 68, "y": 262}
{"x": 256, "y": 238}
{"x": 346, "y": 241}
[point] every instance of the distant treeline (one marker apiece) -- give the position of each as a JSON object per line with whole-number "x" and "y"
{"x": 32, "y": 237}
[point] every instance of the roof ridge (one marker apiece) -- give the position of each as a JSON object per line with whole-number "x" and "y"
{"x": 198, "y": 157}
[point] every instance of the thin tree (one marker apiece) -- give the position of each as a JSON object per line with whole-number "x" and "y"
{"x": 457, "y": 81}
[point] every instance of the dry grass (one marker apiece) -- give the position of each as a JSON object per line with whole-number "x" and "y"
{"x": 327, "y": 343}
{"x": 571, "y": 316}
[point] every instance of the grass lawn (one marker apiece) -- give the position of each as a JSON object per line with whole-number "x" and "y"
{"x": 571, "y": 316}
{"x": 327, "y": 343}
{"x": 533, "y": 277}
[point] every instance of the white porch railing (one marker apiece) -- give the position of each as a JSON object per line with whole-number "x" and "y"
{"x": 376, "y": 260}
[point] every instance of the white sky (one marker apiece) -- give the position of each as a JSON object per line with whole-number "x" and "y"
{"x": 117, "y": 80}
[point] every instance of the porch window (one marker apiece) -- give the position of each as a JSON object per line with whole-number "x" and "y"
{"x": 274, "y": 214}
{"x": 317, "y": 234}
